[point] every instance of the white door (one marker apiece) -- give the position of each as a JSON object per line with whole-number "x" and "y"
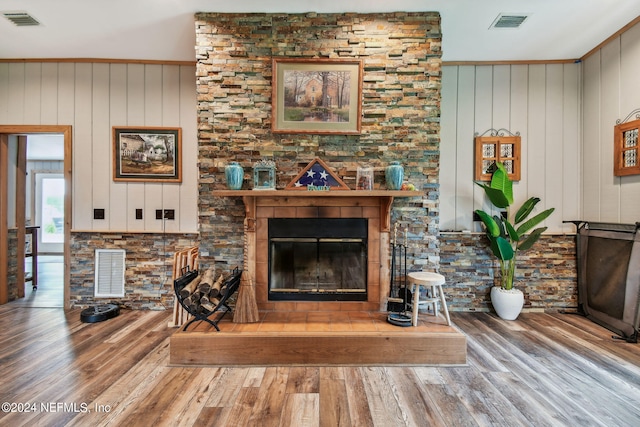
{"x": 49, "y": 203}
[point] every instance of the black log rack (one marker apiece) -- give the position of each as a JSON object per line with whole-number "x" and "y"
{"x": 213, "y": 317}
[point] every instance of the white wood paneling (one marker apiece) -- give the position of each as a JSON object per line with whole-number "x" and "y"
{"x": 535, "y": 155}
{"x": 465, "y": 129}
{"x": 518, "y": 122}
{"x": 49, "y": 98}
{"x": 554, "y": 159}
{"x": 591, "y": 139}
{"x": 629, "y": 101}
{"x": 171, "y": 114}
{"x": 153, "y": 117}
{"x": 189, "y": 189}
{"x": 32, "y": 93}
{"x": 571, "y": 151}
{"x": 482, "y": 121}
{"x": 531, "y": 99}
{"x": 135, "y": 117}
{"x": 66, "y": 98}
{"x": 83, "y": 149}
{"x": 119, "y": 207}
{"x": 16, "y": 86}
{"x": 609, "y": 113}
{"x": 92, "y": 98}
{"x": 611, "y": 91}
{"x": 501, "y": 103}
{"x": 101, "y": 146}
{"x": 448, "y": 150}
{"x": 4, "y": 92}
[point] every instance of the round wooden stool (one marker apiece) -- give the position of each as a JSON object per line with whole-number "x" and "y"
{"x": 435, "y": 281}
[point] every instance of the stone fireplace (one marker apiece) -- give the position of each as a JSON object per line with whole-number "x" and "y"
{"x": 400, "y": 53}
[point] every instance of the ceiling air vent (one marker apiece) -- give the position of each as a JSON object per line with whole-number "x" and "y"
{"x": 509, "y": 20}
{"x": 21, "y": 19}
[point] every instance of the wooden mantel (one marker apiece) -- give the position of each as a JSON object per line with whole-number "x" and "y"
{"x": 250, "y": 196}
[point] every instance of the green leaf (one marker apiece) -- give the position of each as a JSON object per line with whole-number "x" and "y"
{"x": 531, "y": 239}
{"x": 500, "y": 181}
{"x": 496, "y": 196}
{"x": 504, "y": 227}
{"x": 513, "y": 234}
{"x": 526, "y": 226}
{"x": 526, "y": 209}
{"x": 489, "y": 223}
{"x": 501, "y": 248}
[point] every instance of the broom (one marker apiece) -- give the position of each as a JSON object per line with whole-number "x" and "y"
{"x": 246, "y": 306}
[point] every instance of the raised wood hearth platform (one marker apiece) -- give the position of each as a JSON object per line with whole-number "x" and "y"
{"x": 319, "y": 338}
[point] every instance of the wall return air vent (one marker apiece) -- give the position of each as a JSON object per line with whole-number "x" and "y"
{"x": 509, "y": 20}
{"x": 109, "y": 278}
{"x": 21, "y": 19}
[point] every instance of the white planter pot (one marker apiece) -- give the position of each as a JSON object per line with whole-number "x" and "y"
{"x": 508, "y": 304}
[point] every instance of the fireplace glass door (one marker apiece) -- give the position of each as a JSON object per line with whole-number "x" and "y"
{"x": 322, "y": 267}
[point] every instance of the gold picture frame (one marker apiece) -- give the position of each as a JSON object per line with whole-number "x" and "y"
{"x": 147, "y": 154}
{"x": 317, "y": 96}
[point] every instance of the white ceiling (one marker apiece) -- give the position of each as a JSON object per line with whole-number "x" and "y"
{"x": 164, "y": 29}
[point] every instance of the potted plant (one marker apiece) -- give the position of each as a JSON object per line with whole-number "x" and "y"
{"x": 506, "y": 240}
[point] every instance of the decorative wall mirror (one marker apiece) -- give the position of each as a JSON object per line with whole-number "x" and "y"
{"x": 625, "y": 151}
{"x": 498, "y": 146}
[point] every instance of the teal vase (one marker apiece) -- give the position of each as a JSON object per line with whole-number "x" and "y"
{"x": 234, "y": 175}
{"x": 394, "y": 176}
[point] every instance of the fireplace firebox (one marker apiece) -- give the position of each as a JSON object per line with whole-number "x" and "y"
{"x": 317, "y": 259}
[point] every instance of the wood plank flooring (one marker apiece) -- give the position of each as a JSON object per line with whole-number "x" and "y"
{"x": 50, "y": 291}
{"x": 541, "y": 370}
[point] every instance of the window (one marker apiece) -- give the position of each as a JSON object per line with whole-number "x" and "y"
{"x": 625, "y": 153}
{"x": 497, "y": 148}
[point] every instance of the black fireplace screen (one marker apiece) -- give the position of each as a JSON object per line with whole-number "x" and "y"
{"x": 318, "y": 259}
{"x": 609, "y": 275}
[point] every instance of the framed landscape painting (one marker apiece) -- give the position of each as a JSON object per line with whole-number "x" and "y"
{"x": 316, "y": 96}
{"x": 150, "y": 154}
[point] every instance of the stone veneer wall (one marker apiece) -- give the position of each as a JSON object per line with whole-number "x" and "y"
{"x": 547, "y": 273}
{"x": 400, "y": 113}
{"x": 148, "y": 263}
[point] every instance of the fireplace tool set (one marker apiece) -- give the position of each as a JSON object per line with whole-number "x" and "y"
{"x": 400, "y": 296}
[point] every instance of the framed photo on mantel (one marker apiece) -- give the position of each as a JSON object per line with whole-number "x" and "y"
{"x": 317, "y": 96}
{"x": 147, "y": 154}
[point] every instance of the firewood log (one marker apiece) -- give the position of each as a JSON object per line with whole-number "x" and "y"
{"x": 190, "y": 287}
{"x": 208, "y": 306}
{"x": 207, "y": 281}
{"x": 194, "y": 298}
{"x": 194, "y": 307}
{"x": 215, "y": 288}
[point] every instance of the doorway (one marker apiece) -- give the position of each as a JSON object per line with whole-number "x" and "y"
{"x": 48, "y": 211}
{"x": 13, "y": 203}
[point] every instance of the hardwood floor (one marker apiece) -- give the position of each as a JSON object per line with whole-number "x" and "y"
{"x": 50, "y": 291}
{"x": 541, "y": 370}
